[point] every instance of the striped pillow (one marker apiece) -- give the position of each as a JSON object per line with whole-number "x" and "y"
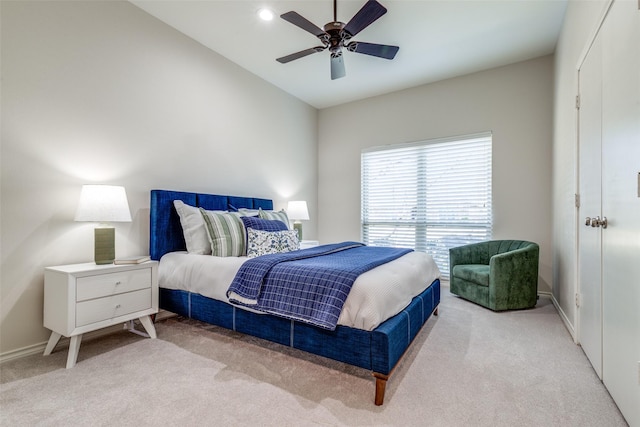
{"x": 226, "y": 233}
{"x": 275, "y": 215}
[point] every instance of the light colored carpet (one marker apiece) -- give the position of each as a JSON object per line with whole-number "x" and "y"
{"x": 468, "y": 367}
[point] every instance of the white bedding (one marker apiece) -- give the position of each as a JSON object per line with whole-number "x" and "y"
{"x": 375, "y": 296}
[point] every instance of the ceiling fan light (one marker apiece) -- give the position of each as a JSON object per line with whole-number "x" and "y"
{"x": 265, "y": 14}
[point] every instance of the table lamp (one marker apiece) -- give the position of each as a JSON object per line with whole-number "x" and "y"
{"x": 297, "y": 211}
{"x": 103, "y": 204}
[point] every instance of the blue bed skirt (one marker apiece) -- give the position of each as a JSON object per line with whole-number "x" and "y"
{"x": 378, "y": 350}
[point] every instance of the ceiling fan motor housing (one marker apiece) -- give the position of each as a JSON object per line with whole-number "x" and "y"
{"x": 337, "y": 36}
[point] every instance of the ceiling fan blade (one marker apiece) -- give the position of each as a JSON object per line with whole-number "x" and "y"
{"x": 337, "y": 66}
{"x": 371, "y": 11}
{"x": 379, "y": 50}
{"x": 300, "y": 54}
{"x": 303, "y": 23}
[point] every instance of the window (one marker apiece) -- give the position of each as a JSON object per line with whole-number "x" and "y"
{"x": 429, "y": 195}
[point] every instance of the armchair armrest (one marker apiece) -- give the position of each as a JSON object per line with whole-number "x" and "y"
{"x": 513, "y": 276}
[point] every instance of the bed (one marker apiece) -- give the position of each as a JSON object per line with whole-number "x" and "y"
{"x": 378, "y": 350}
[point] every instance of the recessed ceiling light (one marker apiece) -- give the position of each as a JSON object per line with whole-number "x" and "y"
{"x": 265, "y": 14}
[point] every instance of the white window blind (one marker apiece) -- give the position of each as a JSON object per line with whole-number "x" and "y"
{"x": 429, "y": 196}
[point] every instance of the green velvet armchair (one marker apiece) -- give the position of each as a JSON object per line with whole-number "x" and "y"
{"x": 498, "y": 274}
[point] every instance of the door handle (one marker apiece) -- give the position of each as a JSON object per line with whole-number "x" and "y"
{"x": 596, "y": 222}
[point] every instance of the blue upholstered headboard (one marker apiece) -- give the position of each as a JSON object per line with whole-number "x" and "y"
{"x": 165, "y": 229}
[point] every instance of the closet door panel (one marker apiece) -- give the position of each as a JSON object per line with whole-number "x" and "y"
{"x": 621, "y": 206}
{"x": 590, "y": 243}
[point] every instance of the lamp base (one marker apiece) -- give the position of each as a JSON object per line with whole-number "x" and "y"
{"x": 298, "y": 227}
{"x": 105, "y": 245}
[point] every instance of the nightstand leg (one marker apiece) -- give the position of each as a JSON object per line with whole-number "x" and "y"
{"x": 148, "y": 326}
{"x": 74, "y": 348}
{"x": 53, "y": 341}
{"x": 131, "y": 327}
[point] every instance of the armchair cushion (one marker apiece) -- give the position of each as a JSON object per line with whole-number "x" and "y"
{"x": 475, "y": 273}
{"x": 498, "y": 274}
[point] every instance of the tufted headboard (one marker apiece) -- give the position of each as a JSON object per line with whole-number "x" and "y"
{"x": 165, "y": 234}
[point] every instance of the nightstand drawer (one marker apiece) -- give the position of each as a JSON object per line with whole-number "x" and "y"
{"x": 112, "y": 283}
{"x": 110, "y": 307}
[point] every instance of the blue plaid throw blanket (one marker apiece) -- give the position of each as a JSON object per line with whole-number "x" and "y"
{"x": 310, "y": 285}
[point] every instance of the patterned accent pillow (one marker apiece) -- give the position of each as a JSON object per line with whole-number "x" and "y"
{"x": 193, "y": 228}
{"x": 275, "y": 215}
{"x": 253, "y": 222}
{"x": 271, "y": 242}
{"x": 226, "y": 233}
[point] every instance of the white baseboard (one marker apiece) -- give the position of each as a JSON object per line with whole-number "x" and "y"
{"x": 64, "y": 342}
{"x": 23, "y": 352}
{"x": 563, "y": 315}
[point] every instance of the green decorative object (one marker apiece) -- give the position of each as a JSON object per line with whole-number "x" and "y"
{"x": 105, "y": 245}
{"x": 298, "y": 227}
{"x": 498, "y": 274}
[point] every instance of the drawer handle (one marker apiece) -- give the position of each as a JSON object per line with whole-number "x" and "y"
{"x": 118, "y": 283}
{"x": 117, "y": 306}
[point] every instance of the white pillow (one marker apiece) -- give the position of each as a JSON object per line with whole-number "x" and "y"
{"x": 261, "y": 242}
{"x": 195, "y": 233}
{"x": 248, "y": 212}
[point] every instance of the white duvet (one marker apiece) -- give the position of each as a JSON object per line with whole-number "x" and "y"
{"x": 375, "y": 296}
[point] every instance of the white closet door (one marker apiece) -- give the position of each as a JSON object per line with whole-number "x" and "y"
{"x": 621, "y": 205}
{"x": 590, "y": 238}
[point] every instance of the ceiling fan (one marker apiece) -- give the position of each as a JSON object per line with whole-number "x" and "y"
{"x": 337, "y": 35}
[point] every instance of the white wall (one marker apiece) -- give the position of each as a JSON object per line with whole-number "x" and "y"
{"x": 101, "y": 92}
{"x": 514, "y": 102}
{"x": 580, "y": 23}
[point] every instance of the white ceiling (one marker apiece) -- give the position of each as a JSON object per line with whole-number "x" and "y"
{"x": 438, "y": 39}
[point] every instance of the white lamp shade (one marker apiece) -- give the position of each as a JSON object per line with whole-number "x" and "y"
{"x": 297, "y": 210}
{"x": 103, "y": 203}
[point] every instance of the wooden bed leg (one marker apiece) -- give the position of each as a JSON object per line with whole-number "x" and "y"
{"x": 435, "y": 312}
{"x": 381, "y": 384}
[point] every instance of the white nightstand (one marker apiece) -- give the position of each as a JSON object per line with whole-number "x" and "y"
{"x": 82, "y": 298}
{"x": 305, "y": 244}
